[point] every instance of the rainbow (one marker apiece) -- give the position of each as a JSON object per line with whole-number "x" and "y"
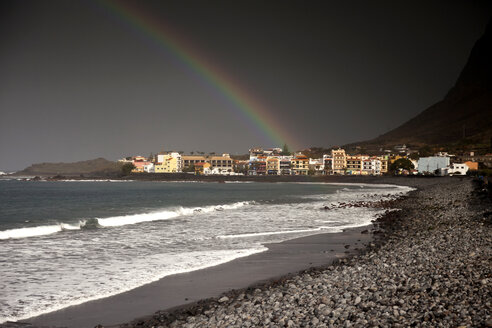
{"x": 243, "y": 102}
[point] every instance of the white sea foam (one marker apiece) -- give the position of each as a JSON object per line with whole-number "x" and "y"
{"x": 30, "y": 232}
{"x": 78, "y": 267}
{"x": 117, "y": 221}
{"x": 173, "y": 264}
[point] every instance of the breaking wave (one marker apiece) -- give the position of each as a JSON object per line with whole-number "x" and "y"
{"x": 116, "y": 221}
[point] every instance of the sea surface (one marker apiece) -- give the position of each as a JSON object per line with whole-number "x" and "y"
{"x": 67, "y": 242}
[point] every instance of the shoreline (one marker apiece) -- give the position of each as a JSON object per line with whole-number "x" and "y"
{"x": 185, "y": 290}
{"x": 194, "y": 306}
{"x": 283, "y": 257}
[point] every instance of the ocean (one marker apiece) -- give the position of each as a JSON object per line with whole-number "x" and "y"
{"x": 67, "y": 242}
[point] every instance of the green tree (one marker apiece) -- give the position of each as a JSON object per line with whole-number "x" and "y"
{"x": 402, "y": 163}
{"x": 285, "y": 150}
{"x": 127, "y": 168}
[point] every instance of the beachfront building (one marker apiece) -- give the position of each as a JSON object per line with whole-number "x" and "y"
{"x": 384, "y": 163}
{"x": 258, "y": 166}
{"x": 300, "y": 165}
{"x": 458, "y": 169}
{"x": 273, "y": 165}
{"x": 285, "y": 164}
{"x": 372, "y": 166}
{"x": 355, "y": 164}
{"x": 328, "y": 164}
{"x": 168, "y": 163}
{"x": 317, "y": 166}
{"x": 223, "y": 163}
{"x": 433, "y": 164}
{"x": 188, "y": 161}
{"x": 339, "y": 161}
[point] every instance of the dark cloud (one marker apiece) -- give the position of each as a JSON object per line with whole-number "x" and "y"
{"x": 77, "y": 83}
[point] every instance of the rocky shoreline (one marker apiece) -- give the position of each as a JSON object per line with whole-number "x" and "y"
{"x": 431, "y": 268}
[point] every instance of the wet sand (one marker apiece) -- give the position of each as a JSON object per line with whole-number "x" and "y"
{"x": 280, "y": 259}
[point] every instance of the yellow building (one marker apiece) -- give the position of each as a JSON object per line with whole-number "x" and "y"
{"x": 273, "y": 165}
{"x": 300, "y": 165}
{"x": 339, "y": 161}
{"x": 357, "y": 165}
{"x": 354, "y": 164}
{"x": 169, "y": 165}
{"x": 384, "y": 164}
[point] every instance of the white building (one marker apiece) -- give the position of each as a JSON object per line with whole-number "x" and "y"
{"x": 219, "y": 171}
{"x": 372, "y": 166}
{"x": 433, "y": 164}
{"x": 317, "y": 165}
{"x": 149, "y": 168}
{"x": 458, "y": 169}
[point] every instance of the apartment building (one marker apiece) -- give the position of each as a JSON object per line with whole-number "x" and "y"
{"x": 273, "y": 165}
{"x": 339, "y": 161}
{"x": 300, "y": 165}
{"x": 258, "y": 166}
{"x": 328, "y": 164}
{"x": 317, "y": 165}
{"x": 168, "y": 163}
{"x": 354, "y": 164}
{"x": 224, "y": 162}
{"x": 285, "y": 163}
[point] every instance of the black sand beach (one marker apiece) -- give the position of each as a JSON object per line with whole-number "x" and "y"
{"x": 425, "y": 213}
{"x": 281, "y": 259}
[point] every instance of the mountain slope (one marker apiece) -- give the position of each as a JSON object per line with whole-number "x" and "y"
{"x": 466, "y": 111}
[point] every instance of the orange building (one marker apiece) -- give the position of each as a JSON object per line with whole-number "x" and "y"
{"x": 472, "y": 166}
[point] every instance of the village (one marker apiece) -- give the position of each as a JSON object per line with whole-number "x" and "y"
{"x": 278, "y": 161}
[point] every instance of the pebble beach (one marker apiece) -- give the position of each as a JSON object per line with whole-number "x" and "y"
{"x": 430, "y": 266}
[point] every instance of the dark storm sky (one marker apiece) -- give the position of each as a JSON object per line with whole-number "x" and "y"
{"x": 77, "y": 83}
